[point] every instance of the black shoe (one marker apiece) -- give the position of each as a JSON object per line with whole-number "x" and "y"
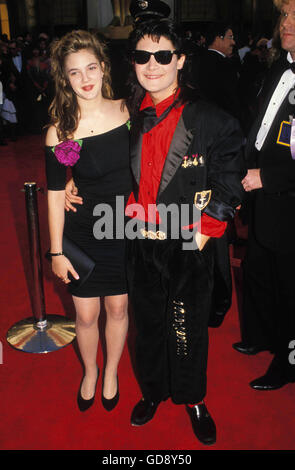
{"x": 143, "y": 412}
{"x": 202, "y": 423}
{"x": 249, "y": 350}
{"x": 83, "y": 404}
{"x": 110, "y": 403}
{"x": 268, "y": 382}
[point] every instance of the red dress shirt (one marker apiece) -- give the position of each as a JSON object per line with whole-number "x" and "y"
{"x": 155, "y": 146}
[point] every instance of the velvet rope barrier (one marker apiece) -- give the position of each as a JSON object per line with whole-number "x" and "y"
{"x": 40, "y": 333}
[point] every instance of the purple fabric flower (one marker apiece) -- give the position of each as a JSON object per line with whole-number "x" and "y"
{"x": 68, "y": 152}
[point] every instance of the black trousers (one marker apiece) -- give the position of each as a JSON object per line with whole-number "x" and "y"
{"x": 170, "y": 291}
{"x": 268, "y": 313}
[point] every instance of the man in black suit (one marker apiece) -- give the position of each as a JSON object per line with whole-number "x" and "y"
{"x": 216, "y": 77}
{"x": 215, "y": 74}
{"x": 17, "y": 72}
{"x": 185, "y": 155}
{"x": 268, "y": 317}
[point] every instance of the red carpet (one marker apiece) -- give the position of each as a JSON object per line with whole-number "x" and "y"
{"x": 38, "y": 392}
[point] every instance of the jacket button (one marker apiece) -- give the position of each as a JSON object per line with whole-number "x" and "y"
{"x": 193, "y": 182}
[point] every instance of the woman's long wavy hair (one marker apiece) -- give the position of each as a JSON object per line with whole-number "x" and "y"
{"x": 64, "y": 109}
{"x": 156, "y": 29}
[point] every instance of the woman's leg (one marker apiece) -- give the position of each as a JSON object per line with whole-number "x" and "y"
{"x": 87, "y": 333}
{"x": 116, "y": 329}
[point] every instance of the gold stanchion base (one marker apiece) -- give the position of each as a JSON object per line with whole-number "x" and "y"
{"x": 54, "y": 333}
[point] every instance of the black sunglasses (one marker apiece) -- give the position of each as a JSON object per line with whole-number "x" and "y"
{"x": 162, "y": 57}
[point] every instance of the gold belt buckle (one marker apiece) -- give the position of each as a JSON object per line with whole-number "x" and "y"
{"x": 159, "y": 235}
{"x": 152, "y": 235}
{"x": 143, "y": 232}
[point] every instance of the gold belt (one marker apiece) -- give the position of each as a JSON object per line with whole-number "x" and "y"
{"x": 159, "y": 235}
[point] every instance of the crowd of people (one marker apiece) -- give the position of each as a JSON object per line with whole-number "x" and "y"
{"x": 26, "y": 85}
{"x": 178, "y": 140}
{"x": 241, "y": 75}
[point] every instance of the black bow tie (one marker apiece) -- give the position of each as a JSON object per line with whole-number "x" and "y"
{"x": 147, "y": 118}
{"x": 291, "y": 66}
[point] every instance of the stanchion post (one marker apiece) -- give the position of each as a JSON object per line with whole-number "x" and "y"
{"x": 41, "y": 333}
{"x": 38, "y": 302}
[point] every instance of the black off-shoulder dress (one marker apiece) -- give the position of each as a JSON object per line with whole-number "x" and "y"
{"x": 102, "y": 176}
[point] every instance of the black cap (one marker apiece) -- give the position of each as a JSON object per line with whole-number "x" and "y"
{"x": 147, "y": 9}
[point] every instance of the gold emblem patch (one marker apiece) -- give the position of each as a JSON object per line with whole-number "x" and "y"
{"x": 202, "y": 199}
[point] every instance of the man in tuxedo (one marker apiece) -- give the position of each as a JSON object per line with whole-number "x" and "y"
{"x": 17, "y": 72}
{"x": 215, "y": 74}
{"x": 216, "y": 77}
{"x": 268, "y": 316}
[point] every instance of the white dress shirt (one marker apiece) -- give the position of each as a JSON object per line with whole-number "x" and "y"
{"x": 285, "y": 84}
{"x": 219, "y": 52}
{"x": 17, "y": 60}
{"x": 243, "y": 51}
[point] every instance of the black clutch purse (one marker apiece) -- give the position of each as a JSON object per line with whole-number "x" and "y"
{"x": 82, "y": 263}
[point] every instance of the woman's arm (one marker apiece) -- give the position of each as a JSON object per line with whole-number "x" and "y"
{"x": 60, "y": 264}
{"x": 56, "y": 219}
{"x": 56, "y": 214}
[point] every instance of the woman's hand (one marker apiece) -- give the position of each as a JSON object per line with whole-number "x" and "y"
{"x": 61, "y": 265}
{"x": 71, "y": 196}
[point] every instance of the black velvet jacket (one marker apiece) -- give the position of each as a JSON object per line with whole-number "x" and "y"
{"x": 215, "y": 137}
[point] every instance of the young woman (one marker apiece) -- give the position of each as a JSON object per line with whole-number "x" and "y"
{"x": 89, "y": 133}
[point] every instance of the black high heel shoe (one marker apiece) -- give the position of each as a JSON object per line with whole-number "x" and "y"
{"x": 110, "y": 403}
{"x": 83, "y": 404}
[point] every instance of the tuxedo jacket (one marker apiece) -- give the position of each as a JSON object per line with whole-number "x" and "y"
{"x": 270, "y": 84}
{"x": 15, "y": 70}
{"x": 215, "y": 139}
{"x": 20, "y": 78}
{"x": 274, "y": 204}
{"x": 217, "y": 79}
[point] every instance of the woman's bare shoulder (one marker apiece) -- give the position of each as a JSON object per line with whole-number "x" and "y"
{"x": 51, "y": 137}
{"x": 120, "y": 108}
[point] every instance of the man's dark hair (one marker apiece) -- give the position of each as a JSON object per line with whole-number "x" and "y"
{"x": 215, "y": 30}
{"x": 157, "y": 29}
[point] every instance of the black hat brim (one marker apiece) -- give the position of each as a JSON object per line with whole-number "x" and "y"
{"x": 156, "y": 9}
